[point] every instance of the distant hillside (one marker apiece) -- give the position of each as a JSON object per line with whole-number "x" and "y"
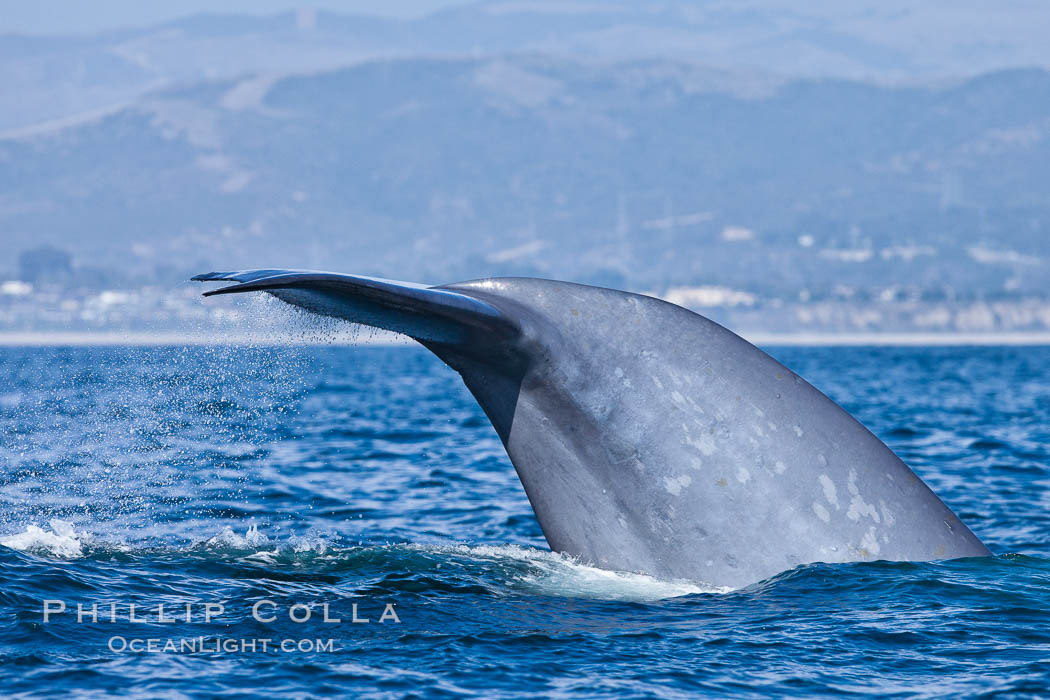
{"x": 45, "y": 78}
{"x": 646, "y": 174}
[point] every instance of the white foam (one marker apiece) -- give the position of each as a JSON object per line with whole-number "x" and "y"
{"x": 228, "y": 538}
{"x": 266, "y": 551}
{"x": 63, "y": 541}
{"x": 549, "y": 573}
{"x": 308, "y": 544}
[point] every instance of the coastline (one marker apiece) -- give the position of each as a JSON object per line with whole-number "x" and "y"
{"x": 382, "y": 338}
{"x": 135, "y": 338}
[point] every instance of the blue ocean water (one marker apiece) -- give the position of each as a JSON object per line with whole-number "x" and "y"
{"x": 290, "y": 478}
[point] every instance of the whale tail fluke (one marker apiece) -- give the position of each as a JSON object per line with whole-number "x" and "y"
{"x": 428, "y": 314}
{"x": 640, "y": 429}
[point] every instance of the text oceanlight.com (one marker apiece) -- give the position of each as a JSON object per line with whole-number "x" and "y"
{"x": 204, "y": 645}
{"x": 263, "y": 612}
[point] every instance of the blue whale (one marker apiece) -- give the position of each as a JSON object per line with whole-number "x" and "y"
{"x": 647, "y": 437}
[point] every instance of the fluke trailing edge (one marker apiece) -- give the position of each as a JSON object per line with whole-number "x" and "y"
{"x": 647, "y": 437}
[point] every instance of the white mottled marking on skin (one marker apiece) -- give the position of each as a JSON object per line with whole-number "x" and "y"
{"x": 798, "y": 431}
{"x": 830, "y": 492}
{"x": 870, "y": 542}
{"x": 858, "y": 508}
{"x": 677, "y": 398}
{"x": 623, "y": 523}
{"x": 705, "y": 443}
{"x": 743, "y": 475}
{"x": 657, "y": 382}
{"x": 822, "y": 512}
{"x": 857, "y": 505}
{"x": 887, "y": 514}
{"x": 675, "y": 485}
{"x": 619, "y": 371}
{"x": 823, "y": 460}
{"x": 772, "y": 425}
{"x": 696, "y": 463}
{"x": 779, "y": 467}
{"x": 758, "y": 430}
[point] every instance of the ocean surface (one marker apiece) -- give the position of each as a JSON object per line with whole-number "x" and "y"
{"x": 209, "y": 480}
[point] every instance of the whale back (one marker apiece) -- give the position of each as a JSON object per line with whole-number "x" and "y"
{"x": 649, "y": 438}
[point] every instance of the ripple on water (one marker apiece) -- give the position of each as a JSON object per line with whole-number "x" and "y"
{"x": 370, "y": 476}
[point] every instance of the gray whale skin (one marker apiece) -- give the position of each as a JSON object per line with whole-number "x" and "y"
{"x": 647, "y": 437}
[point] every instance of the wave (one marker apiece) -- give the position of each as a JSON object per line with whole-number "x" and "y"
{"x": 62, "y": 542}
{"x": 501, "y": 569}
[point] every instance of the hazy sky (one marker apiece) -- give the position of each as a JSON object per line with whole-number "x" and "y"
{"x": 74, "y": 16}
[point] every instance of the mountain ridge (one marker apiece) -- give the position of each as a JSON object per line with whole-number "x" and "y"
{"x": 639, "y": 174}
